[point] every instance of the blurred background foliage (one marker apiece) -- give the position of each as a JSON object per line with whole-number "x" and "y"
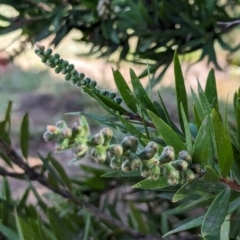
{"x": 135, "y": 31}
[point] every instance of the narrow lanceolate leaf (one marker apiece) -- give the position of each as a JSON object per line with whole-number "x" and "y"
{"x": 187, "y": 132}
{"x": 188, "y": 225}
{"x": 204, "y": 101}
{"x": 19, "y": 228}
{"x": 198, "y": 106}
{"x": 200, "y": 148}
{"x": 148, "y": 184}
{"x": 223, "y": 145}
{"x": 186, "y": 190}
{"x": 237, "y": 112}
{"x": 211, "y": 90}
{"x": 120, "y": 173}
{"x": 58, "y": 167}
{"x": 180, "y": 90}
{"x": 140, "y": 92}
{"x": 24, "y": 136}
{"x": 124, "y": 91}
{"x": 168, "y": 135}
{"x": 211, "y": 175}
{"x": 216, "y": 213}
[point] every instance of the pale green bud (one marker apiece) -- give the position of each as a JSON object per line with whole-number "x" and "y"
{"x": 77, "y": 131}
{"x": 126, "y": 166}
{"x": 116, "y": 163}
{"x": 115, "y": 150}
{"x": 170, "y": 172}
{"x": 63, "y": 145}
{"x": 96, "y": 139}
{"x": 152, "y": 145}
{"x": 155, "y": 173}
{"x": 81, "y": 150}
{"x": 129, "y": 143}
{"x": 134, "y": 161}
{"x": 180, "y": 165}
{"x": 146, "y": 153}
{"x": 48, "y": 136}
{"x": 66, "y": 132}
{"x": 61, "y": 124}
{"x": 173, "y": 182}
{"x": 167, "y": 155}
{"x": 145, "y": 169}
{"x": 185, "y": 156}
{"x": 99, "y": 154}
{"x": 189, "y": 175}
{"x": 107, "y": 135}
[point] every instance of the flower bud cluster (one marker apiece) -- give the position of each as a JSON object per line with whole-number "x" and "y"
{"x": 125, "y": 156}
{"x": 71, "y": 74}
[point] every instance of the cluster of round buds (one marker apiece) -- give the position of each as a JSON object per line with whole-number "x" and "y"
{"x": 66, "y": 137}
{"x": 71, "y": 74}
{"x": 124, "y": 156}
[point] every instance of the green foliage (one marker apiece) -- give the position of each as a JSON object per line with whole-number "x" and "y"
{"x": 157, "y": 27}
{"x": 195, "y": 166}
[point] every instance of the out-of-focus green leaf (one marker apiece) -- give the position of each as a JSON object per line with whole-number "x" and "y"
{"x": 216, "y": 213}
{"x": 168, "y": 135}
{"x": 124, "y": 90}
{"x": 24, "y": 136}
{"x": 19, "y": 227}
{"x": 180, "y": 90}
{"x": 8, "y": 232}
{"x": 61, "y": 171}
{"x": 87, "y": 221}
{"x": 148, "y": 184}
{"x": 211, "y": 90}
{"x": 223, "y": 145}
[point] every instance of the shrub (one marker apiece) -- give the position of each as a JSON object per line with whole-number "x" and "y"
{"x": 195, "y": 165}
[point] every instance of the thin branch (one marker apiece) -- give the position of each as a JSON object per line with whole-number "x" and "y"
{"x": 32, "y": 174}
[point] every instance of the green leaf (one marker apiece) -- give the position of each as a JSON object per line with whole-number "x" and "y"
{"x": 8, "y": 232}
{"x": 120, "y": 173}
{"x": 180, "y": 90}
{"x": 168, "y": 135}
{"x": 61, "y": 171}
{"x": 188, "y": 136}
{"x": 124, "y": 91}
{"x": 223, "y": 145}
{"x": 186, "y": 190}
{"x": 24, "y": 136}
{"x": 198, "y": 107}
{"x": 211, "y": 90}
{"x": 148, "y": 184}
{"x": 204, "y": 101}
{"x": 6, "y": 159}
{"x": 216, "y": 213}
{"x": 56, "y": 225}
{"x": 140, "y": 92}
{"x": 51, "y": 170}
{"x": 211, "y": 175}
{"x": 87, "y": 221}
{"x": 137, "y": 217}
{"x": 190, "y": 224}
{"x": 200, "y": 148}
{"x": 19, "y": 228}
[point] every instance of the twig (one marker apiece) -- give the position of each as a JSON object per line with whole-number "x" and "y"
{"x": 32, "y": 174}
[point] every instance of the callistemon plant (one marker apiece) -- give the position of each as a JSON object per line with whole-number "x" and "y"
{"x": 197, "y": 160}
